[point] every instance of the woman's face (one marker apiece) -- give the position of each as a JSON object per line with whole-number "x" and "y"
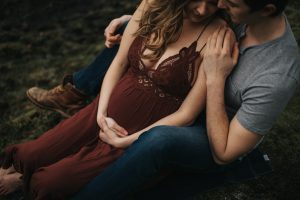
{"x": 199, "y": 10}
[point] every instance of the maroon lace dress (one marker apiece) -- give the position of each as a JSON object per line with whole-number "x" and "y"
{"x": 62, "y": 160}
{"x": 146, "y": 95}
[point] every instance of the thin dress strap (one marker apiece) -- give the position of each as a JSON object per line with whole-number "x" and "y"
{"x": 202, "y": 31}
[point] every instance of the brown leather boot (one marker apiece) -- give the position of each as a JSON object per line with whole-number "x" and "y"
{"x": 65, "y": 98}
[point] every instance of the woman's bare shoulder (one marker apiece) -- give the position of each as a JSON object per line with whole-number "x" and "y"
{"x": 218, "y": 22}
{"x": 215, "y": 24}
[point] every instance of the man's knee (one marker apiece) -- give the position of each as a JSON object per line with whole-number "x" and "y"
{"x": 158, "y": 140}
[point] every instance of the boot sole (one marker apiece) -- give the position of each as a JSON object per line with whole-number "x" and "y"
{"x": 32, "y": 100}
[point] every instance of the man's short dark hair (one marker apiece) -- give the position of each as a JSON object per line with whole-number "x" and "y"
{"x": 256, "y": 5}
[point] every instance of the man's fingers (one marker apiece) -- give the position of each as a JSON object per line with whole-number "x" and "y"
{"x": 113, "y": 38}
{"x": 113, "y": 27}
{"x": 208, "y": 43}
{"x": 235, "y": 53}
{"x": 227, "y": 44}
{"x": 108, "y": 44}
{"x": 221, "y": 38}
{"x": 214, "y": 37}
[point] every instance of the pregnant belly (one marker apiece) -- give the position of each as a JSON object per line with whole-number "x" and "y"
{"x": 135, "y": 108}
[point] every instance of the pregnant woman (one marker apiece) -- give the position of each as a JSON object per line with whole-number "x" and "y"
{"x": 155, "y": 79}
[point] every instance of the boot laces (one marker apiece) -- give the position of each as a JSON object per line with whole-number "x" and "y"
{"x": 57, "y": 90}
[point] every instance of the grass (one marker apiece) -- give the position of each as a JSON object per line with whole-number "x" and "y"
{"x": 40, "y": 41}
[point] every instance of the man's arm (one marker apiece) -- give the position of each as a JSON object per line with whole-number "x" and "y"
{"x": 111, "y": 36}
{"x": 228, "y": 139}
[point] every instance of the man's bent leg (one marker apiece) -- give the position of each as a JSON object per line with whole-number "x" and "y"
{"x": 160, "y": 147}
{"x": 89, "y": 79}
{"x": 69, "y": 97}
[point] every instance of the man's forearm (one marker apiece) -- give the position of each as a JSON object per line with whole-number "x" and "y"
{"x": 217, "y": 120}
{"x": 126, "y": 18}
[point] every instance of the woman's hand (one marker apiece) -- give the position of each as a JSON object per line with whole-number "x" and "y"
{"x": 124, "y": 142}
{"x": 111, "y": 133}
{"x": 106, "y": 134}
{"x": 109, "y": 136}
{"x": 114, "y": 140}
{"x": 111, "y": 124}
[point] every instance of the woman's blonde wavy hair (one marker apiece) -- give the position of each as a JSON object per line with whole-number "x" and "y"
{"x": 163, "y": 19}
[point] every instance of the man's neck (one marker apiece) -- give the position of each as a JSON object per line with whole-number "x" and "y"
{"x": 264, "y": 31}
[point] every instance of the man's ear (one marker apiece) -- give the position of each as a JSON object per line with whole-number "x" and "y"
{"x": 268, "y": 10}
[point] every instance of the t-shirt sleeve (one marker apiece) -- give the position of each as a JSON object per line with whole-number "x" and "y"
{"x": 264, "y": 100}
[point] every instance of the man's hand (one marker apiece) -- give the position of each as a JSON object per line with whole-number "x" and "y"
{"x": 221, "y": 55}
{"x": 111, "y": 38}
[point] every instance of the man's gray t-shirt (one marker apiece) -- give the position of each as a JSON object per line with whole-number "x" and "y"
{"x": 263, "y": 81}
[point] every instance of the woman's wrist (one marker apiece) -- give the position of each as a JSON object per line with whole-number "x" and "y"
{"x": 100, "y": 115}
{"x": 124, "y": 142}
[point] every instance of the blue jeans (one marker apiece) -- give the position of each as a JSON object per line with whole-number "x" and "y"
{"x": 165, "y": 147}
{"x": 161, "y": 147}
{"x": 88, "y": 80}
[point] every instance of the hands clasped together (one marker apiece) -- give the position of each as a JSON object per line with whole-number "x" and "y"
{"x": 112, "y": 133}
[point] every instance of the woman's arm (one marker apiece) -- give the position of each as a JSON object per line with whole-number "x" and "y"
{"x": 119, "y": 65}
{"x": 189, "y": 110}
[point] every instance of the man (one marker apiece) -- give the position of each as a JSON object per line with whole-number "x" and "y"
{"x": 241, "y": 107}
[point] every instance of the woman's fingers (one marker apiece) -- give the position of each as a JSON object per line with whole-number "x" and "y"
{"x": 113, "y": 125}
{"x": 104, "y": 125}
{"x": 120, "y": 131}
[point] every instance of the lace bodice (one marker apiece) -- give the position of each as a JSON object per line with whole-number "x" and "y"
{"x": 173, "y": 77}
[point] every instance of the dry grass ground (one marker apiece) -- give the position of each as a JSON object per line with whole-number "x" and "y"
{"x": 40, "y": 41}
